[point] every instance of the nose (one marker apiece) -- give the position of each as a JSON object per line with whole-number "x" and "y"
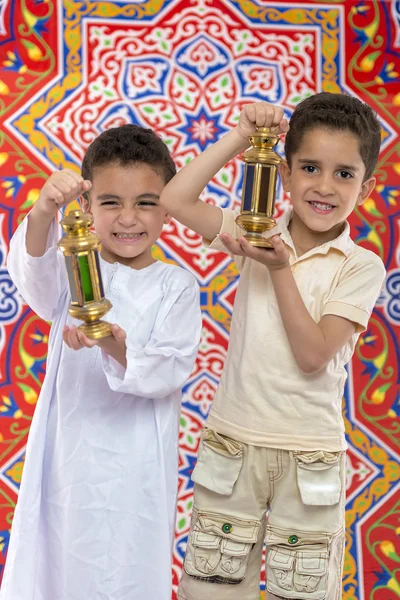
{"x": 127, "y": 217}
{"x": 324, "y": 184}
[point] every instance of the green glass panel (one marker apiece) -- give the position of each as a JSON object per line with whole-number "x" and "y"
{"x": 85, "y": 278}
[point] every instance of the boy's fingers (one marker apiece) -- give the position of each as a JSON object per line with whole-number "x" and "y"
{"x": 73, "y": 339}
{"x": 262, "y": 115}
{"x": 250, "y": 111}
{"x": 245, "y": 244}
{"x": 65, "y": 336}
{"x": 85, "y": 341}
{"x": 232, "y": 245}
{"x": 284, "y": 125}
{"x": 54, "y": 193}
{"x": 118, "y": 333}
{"x": 252, "y": 251}
{"x": 279, "y": 246}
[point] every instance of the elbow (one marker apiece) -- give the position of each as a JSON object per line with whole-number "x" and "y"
{"x": 168, "y": 201}
{"x": 312, "y": 364}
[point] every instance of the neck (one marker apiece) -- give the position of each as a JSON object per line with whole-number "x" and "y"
{"x": 305, "y": 239}
{"x": 137, "y": 262}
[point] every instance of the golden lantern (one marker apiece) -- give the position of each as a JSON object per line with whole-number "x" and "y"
{"x": 259, "y": 187}
{"x": 80, "y": 247}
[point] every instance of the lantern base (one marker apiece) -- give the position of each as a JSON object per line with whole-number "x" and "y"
{"x": 255, "y": 226}
{"x": 96, "y": 330}
{"x": 256, "y": 239}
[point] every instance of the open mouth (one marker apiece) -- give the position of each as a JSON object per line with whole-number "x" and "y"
{"x": 321, "y": 207}
{"x": 128, "y": 237}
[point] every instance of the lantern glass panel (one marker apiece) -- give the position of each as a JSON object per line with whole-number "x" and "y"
{"x": 265, "y": 177}
{"x": 71, "y": 279}
{"x": 101, "y": 288}
{"x": 248, "y": 190}
{"x": 84, "y": 270}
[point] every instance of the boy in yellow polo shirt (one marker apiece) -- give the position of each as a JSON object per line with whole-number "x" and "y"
{"x": 274, "y": 439}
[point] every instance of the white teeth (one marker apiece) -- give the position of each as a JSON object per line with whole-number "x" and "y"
{"x": 128, "y": 236}
{"x": 322, "y": 206}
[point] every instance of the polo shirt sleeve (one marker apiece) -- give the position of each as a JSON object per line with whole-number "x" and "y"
{"x": 358, "y": 288}
{"x": 230, "y": 226}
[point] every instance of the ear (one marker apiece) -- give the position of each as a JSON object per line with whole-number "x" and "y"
{"x": 366, "y": 190}
{"x": 167, "y": 219}
{"x": 285, "y": 175}
{"x": 85, "y": 202}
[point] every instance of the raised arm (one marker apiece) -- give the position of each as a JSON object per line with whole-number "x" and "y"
{"x": 181, "y": 195}
{"x": 59, "y": 190}
{"x": 34, "y": 263}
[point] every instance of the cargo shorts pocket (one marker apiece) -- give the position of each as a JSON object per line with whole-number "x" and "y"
{"x": 219, "y": 547}
{"x": 319, "y": 477}
{"x": 297, "y": 564}
{"x": 219, "y": 462}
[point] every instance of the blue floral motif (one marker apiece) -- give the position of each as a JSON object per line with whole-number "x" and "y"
{"x": 9, "y": 305}
{"x": 390, "y": 296}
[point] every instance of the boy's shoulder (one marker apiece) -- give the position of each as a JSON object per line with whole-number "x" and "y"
{"x": 362, "y": 271}
{"x": 173, "y": 275}
{"x": 362, "y": 256}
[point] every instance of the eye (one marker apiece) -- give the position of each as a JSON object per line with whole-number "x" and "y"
{"x": 147, "y": 203}
{"x": 309, "y": 169}
{"x": 345, "y": 175}
{"x": 109, "y": 203}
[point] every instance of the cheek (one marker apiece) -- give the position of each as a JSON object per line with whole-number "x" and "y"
{"x": 298, "y": 185}
{"x": 103, "y": 221}
{"x": 154, "y": 220}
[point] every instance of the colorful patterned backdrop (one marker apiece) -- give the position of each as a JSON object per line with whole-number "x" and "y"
{"x": 70, "y": 69}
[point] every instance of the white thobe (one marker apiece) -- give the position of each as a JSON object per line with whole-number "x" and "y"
{"x": 96, "y": 510}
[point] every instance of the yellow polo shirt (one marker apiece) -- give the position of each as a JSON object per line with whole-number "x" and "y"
{"x": 263, "y": 397}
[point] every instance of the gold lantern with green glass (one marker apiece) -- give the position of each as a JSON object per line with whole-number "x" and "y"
{"x": 259, "y": 187}
{"x": 80, "y": 247}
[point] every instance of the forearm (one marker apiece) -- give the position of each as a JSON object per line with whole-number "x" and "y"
{"x": 115, "y": 349}
{"x": 306, "y": 338}
{"x": 37, "y": 233}
{"x": 187, "y": 185}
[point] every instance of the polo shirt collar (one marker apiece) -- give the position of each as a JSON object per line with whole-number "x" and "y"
{"x": 343, "y": 242}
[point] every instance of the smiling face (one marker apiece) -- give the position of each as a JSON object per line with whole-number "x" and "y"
{"x": 325, "y": 182}
{"x": 128, "y": 217}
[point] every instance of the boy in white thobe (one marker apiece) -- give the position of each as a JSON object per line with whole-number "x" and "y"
{"x": 96, "y": 510}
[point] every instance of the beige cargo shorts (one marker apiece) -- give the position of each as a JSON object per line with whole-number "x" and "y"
{"x": 235, "y": 486}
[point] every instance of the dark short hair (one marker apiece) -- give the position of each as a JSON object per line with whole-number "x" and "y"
{"x": 336, "y": 112}
{"x": 129, "y": 144}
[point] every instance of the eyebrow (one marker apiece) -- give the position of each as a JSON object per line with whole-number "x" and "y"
{"x": 146, "y": 196}
{"x": 312, "y": 161}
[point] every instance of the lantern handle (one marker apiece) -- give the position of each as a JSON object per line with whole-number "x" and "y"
{"x": 79, "y": 200}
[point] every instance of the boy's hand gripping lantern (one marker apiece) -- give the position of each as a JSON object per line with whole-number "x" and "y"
{"x": 259, "y": 187}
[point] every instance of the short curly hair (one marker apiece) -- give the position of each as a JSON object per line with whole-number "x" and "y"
{"x": 336, "y": 112}
{"x": 125, "y": 145}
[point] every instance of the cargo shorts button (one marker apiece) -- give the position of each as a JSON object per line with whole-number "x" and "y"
{"x": 227, "y": 528}
{"x": 293, "y": 539}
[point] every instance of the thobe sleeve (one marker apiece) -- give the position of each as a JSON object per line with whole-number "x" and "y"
{"x": 163, "y": 365}
{"x": 41, "y": 281}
